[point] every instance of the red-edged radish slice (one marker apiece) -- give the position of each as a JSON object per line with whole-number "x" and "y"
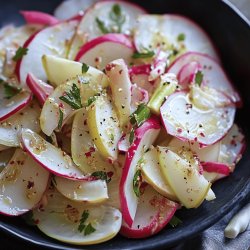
{"x": 188, "y": 184}
{"x": 5, "y": 156}
{"x": 50, "y": 157}
{"x": 39, "y": 88}
{"x": 52, "y": 40}
{"x": 87, "y": 191}
{"x": 61, "y": 218}
{"x": 171, "y": 32}
{"x": 22, "y": 184}
{"x": 120, "y": 84}
{"x": 212, "y": 73}
{"x": 138, "y": 96}
{"x": 216, "y": 167}
{"x": 187, "y": 73}
{"x": 37, "y": 17}
{"x": 84, "y": 152}
{"x": 152, "y": 174}
{"x": 10, "y": 106}
{"x": 153, "y": 213}
{"x": 144, "y": 137}
{"x": 123, "y": 143}
{"x": 11, "y": 128}
{"x": 104, "y": 49}
{"x": 232, "y": 147}
{"x": 185, "y": 121}
{"x": 69, "y": 8}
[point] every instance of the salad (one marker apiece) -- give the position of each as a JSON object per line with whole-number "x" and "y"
{"x": 111, "y": 119}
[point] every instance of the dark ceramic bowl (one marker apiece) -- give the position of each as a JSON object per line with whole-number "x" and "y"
{"x": 230, "y": 32}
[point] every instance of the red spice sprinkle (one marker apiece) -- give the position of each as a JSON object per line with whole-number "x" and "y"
{"x": 110, "y": 66}
{"x": 202, "y": 134}
{"x": 61, "y": 105}
{"x": 120, "y": 71}
{"x": 179, "y": 130}
{"x": 91, "y": 150}
{"x": 85, "y": 122}
{"x": 110, "y": 174}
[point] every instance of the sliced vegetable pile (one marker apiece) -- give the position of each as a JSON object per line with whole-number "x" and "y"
{"x": 111, "y": 120}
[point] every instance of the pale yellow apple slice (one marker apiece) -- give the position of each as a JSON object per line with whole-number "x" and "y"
{"x": 150, "y": 167}
{"x": 188, "y": 184}
{"x": 76, "y": 223}
{"x": 58, "y": 70}
{"x": 104, "y": 126}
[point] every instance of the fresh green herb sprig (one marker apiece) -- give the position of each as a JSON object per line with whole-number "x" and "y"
{"x": 143, "y": 55}
{"x": 198, "y": 78}
{"x": 59, "y": 126}
{"x": 82, "y": 227}
{"x": 20, "y": 53}
{"x": 141, "y": 114}
{"x": 181, "y": 37}
{"x": 85, "y": 68}
{"x": 101, "y": 175}
{"x": 137, "y": 182}
{"x": 175, "y": 221}
{"x": 9, "y": 91}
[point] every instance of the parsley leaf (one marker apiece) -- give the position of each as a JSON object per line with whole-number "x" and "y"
{"x": 175, "y": 221}
{"x": 10, "y": 91}
{"x": 131, "y": 136}
{"x": 101, "y": 175}
{"x": 137, "y": 182}
{"x": 85, "y": 68}
{"x": 117, "y": 16}
{"x": 59, "y": 126}
{"x": 73, "y": 97}
{"x": 141, "y": 114}
{"x": 142, "y": 55}
{"x": 91, "y": 100}
{"x": 101, "y": 26}
{"x": 83, "y": 219}
{"x": 181, "y": 37}
{"x": 198, "y": 78}
{"x": 20, "y": 53}
{"x": 89, "y": 229}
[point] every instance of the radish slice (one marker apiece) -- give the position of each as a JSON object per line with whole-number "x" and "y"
{"x": 87, "y": 191}
{"x": 39, "y": 88}
{"x": 37, "y": 17}
{"x": 11, "y": 128}
{"x": 144, "y": 137}
{"x": 22, "y": 184}
{"x": 171, "y": 32}
{"x": 153, "y": 213}
{"x": 216, "y": 167}
{"x": 187, "y": 73}
{"x": 52, "y": 40}
{"x": 97, "y": 52}
{"x": 61, "y": 219}
{"x": 185, "y": 121}
{"x": 84, "y": 152}
{"x": 50, "y": 157}
{"x": 212, "y": 71}
{"x": 232, "y": 147}
{"x": 69, "y": 8}
{"x": 10, "y": 106}
{"x": 151, "y": 172}
{"x": 138, "y": 96}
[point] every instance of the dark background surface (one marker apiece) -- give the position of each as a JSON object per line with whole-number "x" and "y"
{"x": 231, "y": 36}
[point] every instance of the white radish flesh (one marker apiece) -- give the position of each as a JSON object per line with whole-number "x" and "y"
{"x": 138, "y": 96}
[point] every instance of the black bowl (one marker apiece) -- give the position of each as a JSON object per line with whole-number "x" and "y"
{"x": 230, "y": 32}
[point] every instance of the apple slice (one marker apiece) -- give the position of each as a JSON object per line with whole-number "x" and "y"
{"x": 144, "y": 137}
{"x": 11, "y": 128}
{"x": 23, "y": 183}
{"x": 189, "y": 123}
{"x": 91, "y": 192}
{"x": 59, "y": 70}
{"x": 170, "y": 33}
{"x": 104, "y": 49}
{"x": 104, "y": 127}
{"x": 71, "y": 222}
{"x": 188, "y": 184}
{"x": 212, "y": 73}
{"x": 153, "y": 213}
{"x": 39, "y": 88}
{"x": 37, "y": 17}
{"x": 52, "y": 40}
{"x": 120, "y": 84}
{"x": 11, "y": 105}
{"x": 50, "y": 157}
{"x": 151, "y": 172}
{"x": 84, "y": 152}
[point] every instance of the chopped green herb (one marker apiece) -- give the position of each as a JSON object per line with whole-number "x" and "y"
{"x": 89, "y": 229}
{"x": 142, "y": 55}
{"x": 85, "y": 68}
{"x": 10, "y": 91}
{"x": 73, "y": 97}
{"x": 175, "y": 221}
{"x": 137, "y": 182}
{"x": 117, "y": 16}
{"x": 181, "y": 37}
{"x": 140, "y": 115}
{"x": 101, "y": 175}
{"x": 20, "y": 53}
{"x": 91, "y": 100}
{"x": 198, "y": 78}
{"x": 59, "y": 126}
{"x": 83, "y": 219}
{"x": 112, "y": 137}
{"x": 131, "y": 136}
{"x": 102, "y": 26}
